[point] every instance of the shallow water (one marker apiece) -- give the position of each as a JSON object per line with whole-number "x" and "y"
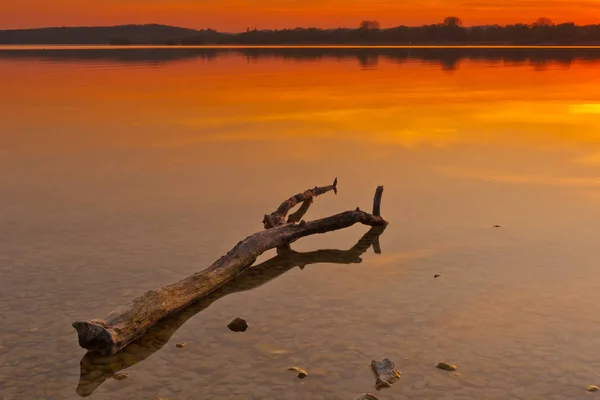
{"x": 125, "y": 170}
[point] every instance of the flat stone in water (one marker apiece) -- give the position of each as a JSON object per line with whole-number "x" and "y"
{"x": 120, "y": 376}
{"x": 301, "y": 373}
{"x": 446, "y": 366}
{"x": 367, "y": 396}
{"x": 238, "y": 325}
{"x": 180, "y": 345}
{"x": 593, "y": 388}
{"x": 385, "y": 373}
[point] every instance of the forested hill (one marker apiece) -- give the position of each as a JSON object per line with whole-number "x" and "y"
{"x": 450, "y": 31}
{"x": 123, "y": 34}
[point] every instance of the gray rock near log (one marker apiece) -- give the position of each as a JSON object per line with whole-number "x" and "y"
{"x": 238, "y": 325}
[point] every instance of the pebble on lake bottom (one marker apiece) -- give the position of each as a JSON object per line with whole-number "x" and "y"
{"x": 385, "y": 373}
{"x": 238, "y": 325}
{"x": 120, "y": 376}
{"x": 367, "y": 396}
{"x": 180, "y": 345}
{"x": 301, "y": 373}
{"x": 446, "y": 366}
{"x": 593, "y": 388}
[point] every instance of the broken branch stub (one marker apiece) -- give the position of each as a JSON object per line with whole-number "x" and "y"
{"x": 122, "y": 326}
{"x": 377, "y": 201}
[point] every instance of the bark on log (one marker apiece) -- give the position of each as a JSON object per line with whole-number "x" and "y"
{"x": 109, "y": 335}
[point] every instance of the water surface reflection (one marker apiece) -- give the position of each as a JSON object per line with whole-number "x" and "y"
{"x": 123, "y": 170}
{"x": 447, "y": 58}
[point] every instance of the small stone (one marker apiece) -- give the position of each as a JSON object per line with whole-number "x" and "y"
{"x": 301, "y": 373}
{"x": 437, "y": 275}
{"x": 497, "y": 226}
{"x": 238, "y": 325}
{"x": 120, "y": 376}
{"x": 180, "y": 345}
{"x": 385, "y": 373}
{"x": 446, "y": 366}
{"x": 593, "y": 388}
{"x": 367, "y": 396}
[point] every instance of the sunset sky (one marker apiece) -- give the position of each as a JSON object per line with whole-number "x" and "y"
{"x": 237, "y": 15}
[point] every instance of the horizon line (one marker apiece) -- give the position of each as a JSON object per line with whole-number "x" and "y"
{"x": 278, "y": 29}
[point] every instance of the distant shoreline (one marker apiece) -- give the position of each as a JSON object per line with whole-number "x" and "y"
{"x": 42, "y": 46}
{"x": 450, "y": 33}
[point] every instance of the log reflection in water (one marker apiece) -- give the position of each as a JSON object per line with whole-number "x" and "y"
{"x": 96, "y": 369}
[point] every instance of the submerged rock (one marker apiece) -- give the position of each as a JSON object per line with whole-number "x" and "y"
{"x": 367, "y": 396}
{"x": 446, "y": 366}
{"x": 385, "y": 373}
{"x": 593, "y": 388}
{"x": 120, "y": 376}
{"x": 180, "y": 345}
{"x": 238, "y": 325}
{"x": 301, "y": 373}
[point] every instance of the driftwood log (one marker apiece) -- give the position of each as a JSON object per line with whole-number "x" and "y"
{"x": 122, "y": 326}
{"x": 96, "y": 368}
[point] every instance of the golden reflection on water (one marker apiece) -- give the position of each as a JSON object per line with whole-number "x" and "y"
{"x": 249, "y": 108}
{"x": 121, "y": 175}
{"x": 229, "y": 99}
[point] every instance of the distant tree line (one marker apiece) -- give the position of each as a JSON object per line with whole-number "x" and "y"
{"x": 451, "y": 30}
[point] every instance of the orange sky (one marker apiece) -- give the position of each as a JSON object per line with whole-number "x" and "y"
{"x": 236, "y": 15}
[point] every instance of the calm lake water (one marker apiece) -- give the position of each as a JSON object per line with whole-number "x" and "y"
{"x": 125, "y": 170}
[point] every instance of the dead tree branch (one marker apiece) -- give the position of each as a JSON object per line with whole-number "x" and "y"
{"x": 122, "y": 326}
